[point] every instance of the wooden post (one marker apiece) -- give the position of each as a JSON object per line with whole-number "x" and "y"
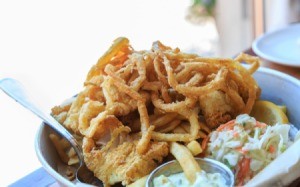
{"x": 258, "y": 17}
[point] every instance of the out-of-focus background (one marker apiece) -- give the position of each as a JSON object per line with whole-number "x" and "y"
{"x": 50, "y": 45}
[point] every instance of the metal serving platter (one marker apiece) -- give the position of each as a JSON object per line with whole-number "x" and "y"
{"x": 277, "y": 87}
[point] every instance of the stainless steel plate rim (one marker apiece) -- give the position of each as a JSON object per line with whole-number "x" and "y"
{"x": 208, "y": 160}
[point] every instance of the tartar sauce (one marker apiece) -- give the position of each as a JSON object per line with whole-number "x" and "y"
{"x": 179, "y": 179}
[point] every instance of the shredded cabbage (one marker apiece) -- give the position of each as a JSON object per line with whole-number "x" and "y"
{"x": 249, "y": 139}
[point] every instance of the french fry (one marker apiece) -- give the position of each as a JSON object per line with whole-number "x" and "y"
{"x": 204, "y": 127}
{"x": 71, "y": 152}
{"x": 165, "y": 119}
{"x": 186, "y": 160}
{"x": 70, "y": 174}
{"x": 186, "y": 127}
{"x": 140, "y": 182}
{"x": 179, "y": 130}
{"x": 194, "y": 147}
{"x": 170, "y": 137}
{"x": 73, "y": 160}
{"x": 170, "y": 126}
{"x": 60, "y": 148}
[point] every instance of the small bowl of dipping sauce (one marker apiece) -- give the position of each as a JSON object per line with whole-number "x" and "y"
{"x": 213, "y": 173}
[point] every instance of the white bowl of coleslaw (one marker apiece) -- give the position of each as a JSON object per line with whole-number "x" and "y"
{"x": 277, "y": 87}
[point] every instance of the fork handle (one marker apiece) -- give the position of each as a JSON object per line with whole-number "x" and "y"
{"x": 15, "y": 90}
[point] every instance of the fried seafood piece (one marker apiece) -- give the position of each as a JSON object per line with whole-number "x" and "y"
{"x": 216, "y": 108}
{"x": 122, "y": 162}
{"x": 219, "y": 107}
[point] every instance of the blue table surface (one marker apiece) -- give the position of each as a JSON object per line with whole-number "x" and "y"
{"x": 37, "y": 178}
{"x": 40, "y": 178}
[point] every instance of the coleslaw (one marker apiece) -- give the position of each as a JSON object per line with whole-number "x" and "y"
{"x": 247, "y": 146}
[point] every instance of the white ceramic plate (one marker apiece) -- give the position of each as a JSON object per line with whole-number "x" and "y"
{"x": 281, "y": 46}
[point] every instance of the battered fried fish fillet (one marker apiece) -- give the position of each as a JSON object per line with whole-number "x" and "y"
{"x": 122, "y": 163}
{"x": 216, "y": 108}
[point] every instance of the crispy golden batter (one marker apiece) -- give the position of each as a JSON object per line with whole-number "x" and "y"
{"x": 216, "y": 108}
{"x": 123, "y": 163}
